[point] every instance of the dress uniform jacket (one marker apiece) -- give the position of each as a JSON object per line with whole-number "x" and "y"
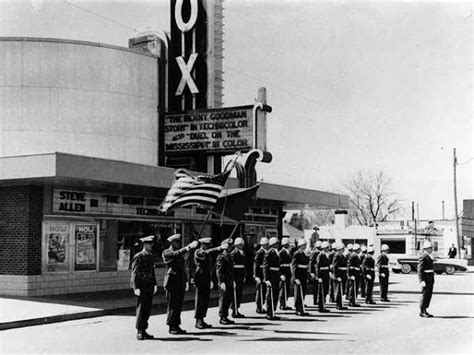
{"x": 312, "y": 270}
{"x": 174, "y": 283}
{"x": 426, "y": 274}
{"x": 202, "y": 280}
{"x": 382, "y": 264}
{"x": 353, "y": 270}
{"x": 238, "y": 260}
{"x": 143, "y": 278}
{"x": 362, "y": 279}
{"x": 339, "y": 265}
{"x": 285, "y": 270}
{"x": 225, "y": 274}
{"x": 271, "y": 272}
{"x": 368, "y": 268}
{"x": 322, "y": 272}
{"x": 258, "y": 272}
{"x": 299, "y": 268}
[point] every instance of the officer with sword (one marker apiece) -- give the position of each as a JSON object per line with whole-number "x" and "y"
{"x": 238, "y": 259}
{"x": 299, "y": 269}
{"x": 258, "y": 275}
{"x": 322, "y": 276}
{"x": 271, "y": 276}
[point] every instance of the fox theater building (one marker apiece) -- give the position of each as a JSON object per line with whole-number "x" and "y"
{"x": 91, "y": 136}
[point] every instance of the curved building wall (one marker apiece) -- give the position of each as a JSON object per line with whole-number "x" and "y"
{"x": 77, "y": 97}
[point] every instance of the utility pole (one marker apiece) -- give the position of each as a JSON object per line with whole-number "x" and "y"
{"x": 442, "y": 210}
{"x": 458, "y": 237}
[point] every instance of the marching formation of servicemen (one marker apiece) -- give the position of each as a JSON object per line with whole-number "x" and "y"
{"x": 332, "y": 271}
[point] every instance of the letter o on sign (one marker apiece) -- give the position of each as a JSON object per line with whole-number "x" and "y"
{"x": 178, "y": 15}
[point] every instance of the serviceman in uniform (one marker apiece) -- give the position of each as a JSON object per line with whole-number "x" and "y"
{"x": 353, "y": 273}
{"x": 331, "y": 273}
{"x": 299, "y": 269}
{"x": 225, "y": 279}
{"x": 339, "y": 267}
{"x": 271, "y": 276}
{"x": 238, "y": 260}
{"x": 202, "y": 280}
{"x": 176, "y": 282}
{"x": 347, "y": 253}
{"x": 285, "y": 273}
{"x": 382, "y": 265}
{"x": 144, "y": 286}
{"x": 322, "y": 275}
{"x": 426, "y": 277}
{"x": 368, "y": 270}
{"x": 258, "y": 275}
{"x": 362, "y": 255}
{"x": 312, "y": 269}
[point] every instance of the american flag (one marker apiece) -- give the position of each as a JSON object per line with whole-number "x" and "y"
{"x": 187, "y": 190}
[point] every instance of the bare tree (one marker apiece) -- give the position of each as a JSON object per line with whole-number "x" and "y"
{"x": 371, "y": 196}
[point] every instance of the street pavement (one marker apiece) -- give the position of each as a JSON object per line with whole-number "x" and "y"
{"x": 393, "y": 327}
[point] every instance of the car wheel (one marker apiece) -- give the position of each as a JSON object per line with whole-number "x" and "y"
{"x": 450, "y": 269}
{"x": 406, "y": 268}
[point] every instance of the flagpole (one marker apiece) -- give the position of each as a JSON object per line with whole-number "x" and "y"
{"x": 205, "y": 222}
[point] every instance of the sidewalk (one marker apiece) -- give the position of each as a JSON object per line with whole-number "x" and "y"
{"x": 16, "y": 312}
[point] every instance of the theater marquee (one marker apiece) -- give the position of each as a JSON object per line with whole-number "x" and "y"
{"x": 215, "y": 130}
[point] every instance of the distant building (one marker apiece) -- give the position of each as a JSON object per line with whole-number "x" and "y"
{"x": 467, "y": 229}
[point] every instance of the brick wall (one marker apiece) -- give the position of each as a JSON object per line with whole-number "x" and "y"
{"x": 20, "y": 230}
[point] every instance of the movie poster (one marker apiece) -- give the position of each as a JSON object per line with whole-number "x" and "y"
{"x": 86, "y": 246}
{"x": 57, "y": 243}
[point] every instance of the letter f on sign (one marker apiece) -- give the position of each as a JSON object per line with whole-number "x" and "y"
{"x": 186, "y": 69}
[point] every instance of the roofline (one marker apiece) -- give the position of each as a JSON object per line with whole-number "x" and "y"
{"x": 74, "y": 41}
{"x": 66, "y": 166}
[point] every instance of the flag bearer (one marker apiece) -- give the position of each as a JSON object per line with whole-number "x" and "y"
{"x": 382, "y": 264}
{"x": 202, "y": 280}
{"x": 175, "y": 282}
{"x": 238, "y": 260}
{"x": 271, "y": 276}
{"x": 144, "y": 286}
{"x": 258, "y": 275}
{"x": 426, "y": 277}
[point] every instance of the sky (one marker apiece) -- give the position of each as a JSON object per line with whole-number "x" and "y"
{"x": 353, "y": 85}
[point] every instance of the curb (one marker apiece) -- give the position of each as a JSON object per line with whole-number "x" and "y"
{"x": 158, "y": 308}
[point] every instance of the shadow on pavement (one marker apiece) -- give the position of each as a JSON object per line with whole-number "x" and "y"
{"x": 182, "y": 339}
{"x": 215, "y": 333}
{"x": 233, "y": 327}
{"x": 256, "y": 324}
{"x": 453, "y": 317}
{"x": 307, "y": 332}
{"x": 285, "y": 339}
{"x": 302, "y": 319}
{"x": 437, "y": 293}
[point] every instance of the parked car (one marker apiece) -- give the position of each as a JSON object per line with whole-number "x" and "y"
{"x": 408, "y": 264}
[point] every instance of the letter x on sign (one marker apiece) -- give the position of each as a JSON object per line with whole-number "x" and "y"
{"x": 186, "y": 69}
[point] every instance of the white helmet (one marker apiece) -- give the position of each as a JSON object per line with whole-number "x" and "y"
{"x": 273, "y": 241}
{"x": 427, "y": 245}
{"x": 264, "y": 241}
{"x": 385, "y": 247}
{"x": 301, "y": 242}
{"x": 285, "y": 241}
{"x": 239, "y": 241}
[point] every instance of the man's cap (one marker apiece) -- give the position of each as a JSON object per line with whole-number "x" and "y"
{"x": 430, "y": 222}
{"x": 239, "y": 241}
{"x": 334, "y": 245}
{"x": 176, "y": 236}
{"x": 356, "y": 247}
{"x": 427, "y": 245}
{"x": 285, "y": 241}
{"x": 363, "y": 248}
{"x": 340, "y": 246}
{"x": 316, "y": 227}
{"x": 385, "y": 247}
{"x": 318, "y": 244}
{"x": 148, "y": 239}
{"x": 264, "y": 241}
{"x": 350, "y": 246}
{"x": 206, "y": 240}
{"x": 301, "y": 242}
{"x": 273, "y": 241}
{"x": 370, "y": 249}
{"x": 324, "y": 245}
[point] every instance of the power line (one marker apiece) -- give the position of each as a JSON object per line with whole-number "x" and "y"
{"x": 467, "y": 161}
{"x": 99, "y": 15}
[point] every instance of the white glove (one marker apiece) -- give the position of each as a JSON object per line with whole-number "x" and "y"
{"x": 155, "y": 289}
{"x": 269, "y": 284}
{"x": 320, "y": 280}
{"x": 136, "y": 291}
{"x": 244, "y": 280}
{"x": 257, "y": 279}
{"x": 423, "y": 284}
{"x": 186, "y": 288}
{"x": 193, "y": 244}
{"x": 212, "y": 285}
{"x": 331, "y": 275}
{"x": 298, "y": 282}
{"x": 382, "y": 275}
{"x": 313, "y": 276}
{"x": 339, "y": 279}
{"x": 223, "y": 288}
{"x": 283, "y": 277}
{"x": 353, "y": 278}
{"x": 369, "y": 277}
